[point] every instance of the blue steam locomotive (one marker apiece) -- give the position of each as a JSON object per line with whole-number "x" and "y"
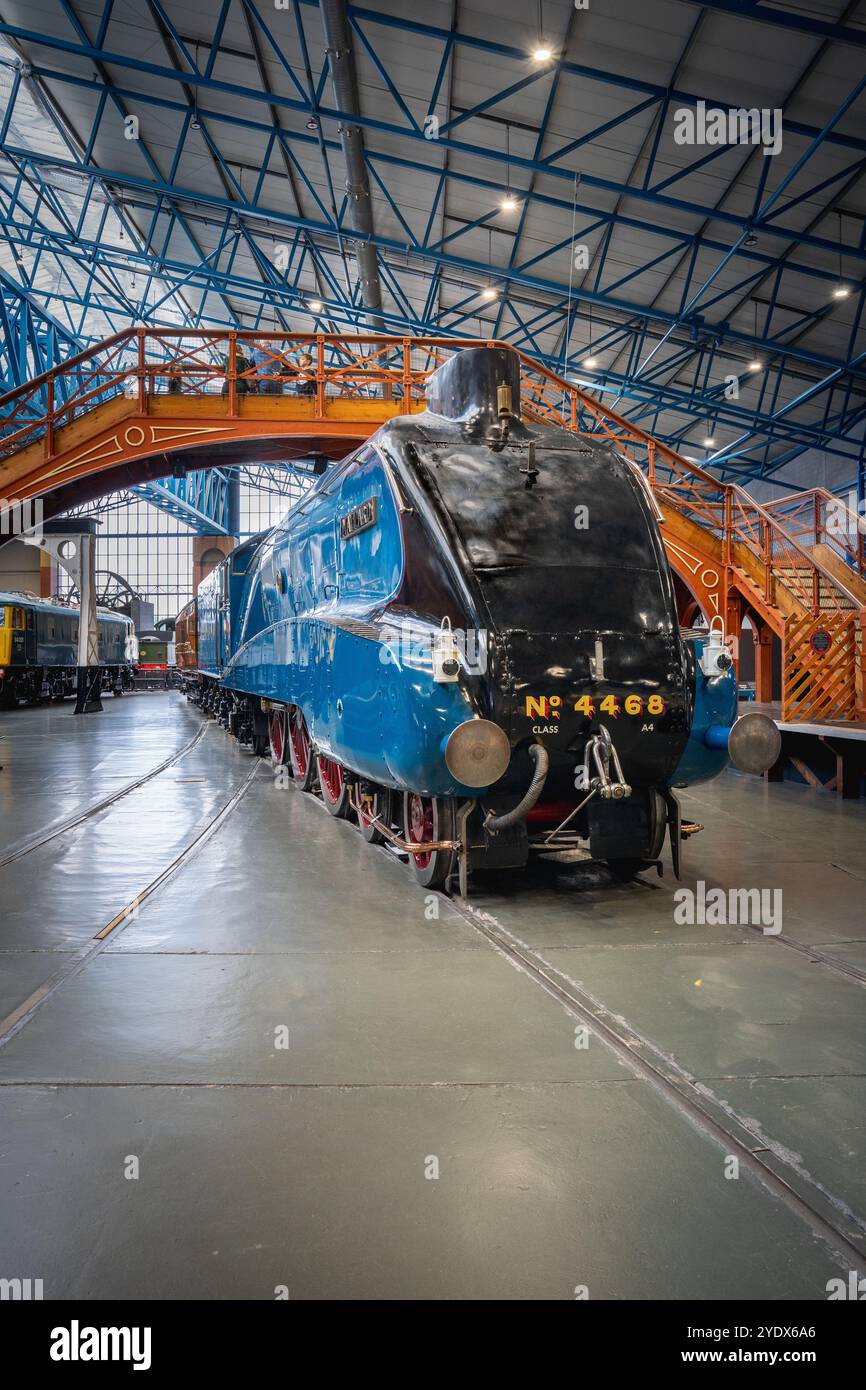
{"x": 465, "y": 635}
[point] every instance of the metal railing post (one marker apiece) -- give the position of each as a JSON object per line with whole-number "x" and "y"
{"x": 407, "y": 374}
{"x": 49, "y": 419}
{"x": 140, "y": 373}
{"x": 728, "y": 548}
{"x": 233, "y": 375}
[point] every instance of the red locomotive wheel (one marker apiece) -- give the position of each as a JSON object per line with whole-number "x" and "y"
{"x": 419, "y": 826}
{"x": 335, "y": 792}
{"x": 277, "y": 737}
{"x": 303, "y": 765}
{"x": 430, "y": 818}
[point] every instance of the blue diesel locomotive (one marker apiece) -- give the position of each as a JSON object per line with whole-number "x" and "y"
{"x": 39, "y": 650}
{"x": 466, "y": 635}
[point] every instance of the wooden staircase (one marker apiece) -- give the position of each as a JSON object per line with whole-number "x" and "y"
{"x": 810, "y": 597}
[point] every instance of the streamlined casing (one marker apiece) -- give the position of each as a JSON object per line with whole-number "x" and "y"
{"x": 537, "y": 552}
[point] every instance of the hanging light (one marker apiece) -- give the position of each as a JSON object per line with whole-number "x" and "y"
{"x": 709, "y": 442}
{"x": 542, "y": 53}
{"x": 755, "y": 365}
{"x": 194, "y": 123}
{"x": 590, "y": 362}
{"x": 316, "y": 305}
{"x": 841, "y": 291}
{"x": 508, "y": 203}
{"x": 489, "y": 292}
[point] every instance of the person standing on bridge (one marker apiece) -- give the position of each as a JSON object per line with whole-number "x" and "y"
{"x": 306, "y": 375}
{"x": 242, "y": 366}
{"x": 266, "y": 365}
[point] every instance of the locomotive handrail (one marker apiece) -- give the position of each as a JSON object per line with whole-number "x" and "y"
{"x": 190, "y": 362}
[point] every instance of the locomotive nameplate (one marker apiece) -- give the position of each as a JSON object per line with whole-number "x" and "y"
{"x": 360, "y": 518}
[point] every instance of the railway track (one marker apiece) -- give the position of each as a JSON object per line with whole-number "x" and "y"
{"x": 81, "y": 816}
{"x": 829, "y": 1217}
{"x": 18, "y": 1019}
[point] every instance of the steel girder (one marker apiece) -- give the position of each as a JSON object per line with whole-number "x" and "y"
{"x": 31, "y": 340}
{"x": 200, "y": 499}
{"x": 653, "y": 345}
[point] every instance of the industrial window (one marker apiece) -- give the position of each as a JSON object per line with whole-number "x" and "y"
{"x": 152, "y": 550}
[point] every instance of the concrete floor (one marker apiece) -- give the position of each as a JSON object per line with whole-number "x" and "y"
{"x": 414, "y": 1044}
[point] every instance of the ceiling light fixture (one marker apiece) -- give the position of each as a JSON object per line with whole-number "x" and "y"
{"x": 590, "y": 362}
{"x": 841, "y": 291}
{"x": 316, "y": 305}
{"x": 194, "y": 123}
{"x": 756, "y": 364}
{"x": 542, "y": 53}
{"x": 489, "y": 292}
{"x": 709, "y": 442}
{"x": 509, "y": 202}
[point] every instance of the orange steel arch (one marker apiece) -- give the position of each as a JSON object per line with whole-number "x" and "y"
{"x": 147, "y": 402}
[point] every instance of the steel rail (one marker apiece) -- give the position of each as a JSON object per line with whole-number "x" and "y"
{"x": 80, "y": 816}
{"x": 18, "y": 1019}
{"x": 821, "y": 1210}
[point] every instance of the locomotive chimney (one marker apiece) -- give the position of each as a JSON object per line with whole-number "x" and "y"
{"x": 479, "y": 386}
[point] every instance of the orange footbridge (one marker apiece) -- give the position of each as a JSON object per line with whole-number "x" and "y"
{"x": 147, "y": 403}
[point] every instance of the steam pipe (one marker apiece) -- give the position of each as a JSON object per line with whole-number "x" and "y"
{"x": 494, "y": 823}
